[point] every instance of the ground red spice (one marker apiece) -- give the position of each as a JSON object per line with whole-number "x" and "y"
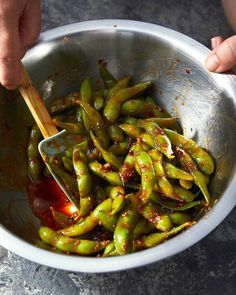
{"x": 127, "y": 172}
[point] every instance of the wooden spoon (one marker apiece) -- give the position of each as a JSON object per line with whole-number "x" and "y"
{"x": 54, "y": 142}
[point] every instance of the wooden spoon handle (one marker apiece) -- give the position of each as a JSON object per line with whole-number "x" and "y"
{"x": 36, "y": 106}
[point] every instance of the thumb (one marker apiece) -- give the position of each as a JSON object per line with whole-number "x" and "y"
{"x": 223, "y": 57}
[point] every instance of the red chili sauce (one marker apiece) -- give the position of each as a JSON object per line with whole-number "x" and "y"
{"x": 46, "y": 194}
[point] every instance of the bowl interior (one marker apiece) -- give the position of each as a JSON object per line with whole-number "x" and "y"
{"x": 181, "y": 85}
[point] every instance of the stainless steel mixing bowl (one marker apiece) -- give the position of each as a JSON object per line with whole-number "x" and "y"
{"x": 205, "y": 104}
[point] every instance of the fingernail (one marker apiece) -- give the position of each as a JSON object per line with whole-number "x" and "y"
{"x": 214, "y": 43}
{"x": 212, "y": 62}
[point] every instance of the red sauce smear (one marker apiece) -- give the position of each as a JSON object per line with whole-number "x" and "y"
{"x": 45, "y": 194}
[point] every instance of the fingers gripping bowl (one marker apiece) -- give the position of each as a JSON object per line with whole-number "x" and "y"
{"x": 203, "y": 102}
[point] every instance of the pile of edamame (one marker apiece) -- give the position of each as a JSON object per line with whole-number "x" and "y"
{"x": 133, "y": 173}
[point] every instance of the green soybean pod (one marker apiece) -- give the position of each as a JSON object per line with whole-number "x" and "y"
{"x": 141, "y": 109}
{"x": 118, "y": 86}
{"x": 86, "y": 90}
{"x": 123, "y": 234}
{"x": 99, "y": 193}
{"x": 157, "y": 238}
{"x": 131, "y": 130}
{"x": 107, "y": 220}
{"x": 68, "y": 164}
{"x": 146, "y": 168}
{"x": 71, "y": 245}
{"x": 69, "y": 153}
{"x": 152, "y": 212}
{"x": 108, "y": 156}
{"x": 120, "y": 148}
{"x": 111, "y": 176}
{"x": 127, "y": 170}
{"x": 98, "y": 102}
{"x": 173, "y": 205}
{"x": 35, "y": 163}
{"x": 179, "y": 218}
{"x": 86, "y": 205}
{"x": 84, "y": 178}
{"x": 108, "y": 79}
{"x": 161, "y": 141}
{"x": 201, "y": 157}
{"x": 112, "y": 108}
{"x": 115, "y": 133}
{"x": 86, "y": 96}
{"x": 65, "y": 103}
{"x": 109, "y": 249}
{"x": 96, "y": 122}
{"x": 117, "y": 194}
{"x": 143, "y": 227}
{"x": 75, "y": 128}
{"x": 198, "y": 177}
{"x": 175, "y": 172}
{"x": 183, "y": 194}
{"x": 164, "y": 184}
{"x": 88, "y": 223}
{"x": 130, "y": 120}
{"x": 186, "y": 183}
{"x": 147, "y": 139}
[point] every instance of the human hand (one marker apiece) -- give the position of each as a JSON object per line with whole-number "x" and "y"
{"x": 19, "y": 28}
{"x": 223, "y": 55}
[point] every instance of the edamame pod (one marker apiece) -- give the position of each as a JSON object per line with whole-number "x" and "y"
{"x": 108, "y": 156}
{"x": 127, "y": 170}
{"x": 157, "y": 238}
{"x": 188, "y": 164}
{"x": 65, "y": 103}
{"x": 143, "y": 227}
{"x": 66, "y": 244}
{"x": 141, "y": 109}
{"x": 115, "y": 133}
{"x": 35, "y": 163}
{"x": 161, "y": 141}
{"x": 164, "y": 184}
{"x": 96, "y": 123}
{"x": 108, "y": 79}
{"x": 107, "y": 220}
{"x": 76, "y": 128}
{"x": 117, "y": 194}
{"x": 105, "y": 173}
{"x": 186, "y": 183}
{"x": 120, "y": 148}
{"x": 152, "y": 212}
{"x": 179, "y": 218}
{"x": 145, "y": 165}
{"x": 88, "y": 223}
{"x": 123, "y": 234}
{"x": 84, "y": 178}
{"x": 112, "y": 108}
{"x": 201, "y": 157}
{"x": 175, "y": 172}
{"x": 68, "y": 165}
{"x": 131, "y": 130}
